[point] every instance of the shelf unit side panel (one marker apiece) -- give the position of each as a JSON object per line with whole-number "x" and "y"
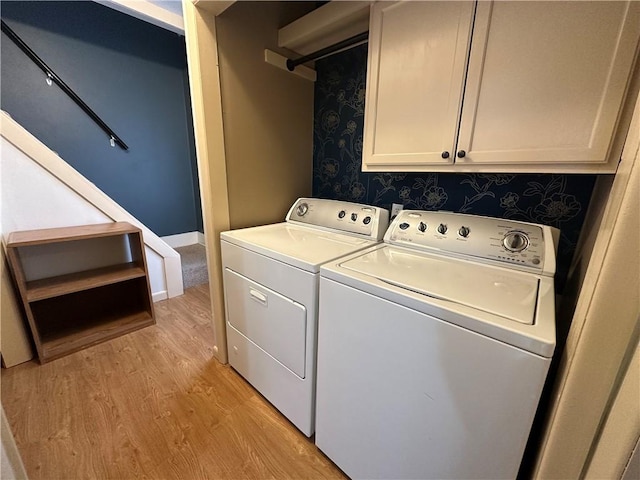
{"x": 17, "y": 274}
{"x": 136, "y": 242}
{"x": 136, "y": 249}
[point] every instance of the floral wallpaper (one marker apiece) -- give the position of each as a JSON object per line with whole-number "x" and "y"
{"x": 556, "y": 200}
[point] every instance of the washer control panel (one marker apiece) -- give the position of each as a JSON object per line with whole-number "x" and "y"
{"x": 498, "y": 240}
{"x": 354, "y": 218}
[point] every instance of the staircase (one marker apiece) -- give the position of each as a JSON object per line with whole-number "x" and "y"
{"x": 40, "y": 190}
{"x": 194, "y": 265}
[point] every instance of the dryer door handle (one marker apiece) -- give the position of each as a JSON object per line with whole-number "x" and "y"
{"x": 258, "y": 296}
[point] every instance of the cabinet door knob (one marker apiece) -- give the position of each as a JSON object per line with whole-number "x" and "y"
{"x": 461, "y": 153}
{"x": 445, "y": 154}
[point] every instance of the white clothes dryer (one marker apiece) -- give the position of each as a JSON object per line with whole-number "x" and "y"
{"x": 271, "y": 277}
{"x": 434, "y": 346}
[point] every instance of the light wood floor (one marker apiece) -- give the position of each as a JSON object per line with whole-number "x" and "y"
{"x": 153, "y": 404}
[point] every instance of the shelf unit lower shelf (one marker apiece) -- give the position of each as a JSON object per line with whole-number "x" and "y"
{"x": 71, "y": 307}
{"x": 76, "y": 282}
{"x": 55, "y": 346}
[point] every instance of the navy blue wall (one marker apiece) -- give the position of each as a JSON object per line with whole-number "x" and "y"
{"x": 557, "y": 200}
{"x": 132, "y": 74}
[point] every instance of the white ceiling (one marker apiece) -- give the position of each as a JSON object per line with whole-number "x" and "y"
{"x": 163, "y": 13}
{"x": 173, "y": 6}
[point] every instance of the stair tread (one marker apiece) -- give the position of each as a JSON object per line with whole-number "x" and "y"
{"x": 194, "y": 265}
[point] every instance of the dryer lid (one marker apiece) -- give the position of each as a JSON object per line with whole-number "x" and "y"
{"x": 507, "y": 293}
{"x": 303, "y": 247}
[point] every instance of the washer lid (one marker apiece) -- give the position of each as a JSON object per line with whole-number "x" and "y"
{"x": 509, "y": 294}
{"x": 300, "y": 246}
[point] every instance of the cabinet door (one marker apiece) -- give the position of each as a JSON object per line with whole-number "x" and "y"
{"x": 546, "y": 81}
{"x": 417, "y": 61}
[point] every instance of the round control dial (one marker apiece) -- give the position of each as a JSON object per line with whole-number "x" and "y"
{"x": 302, "y": 209}
{"x": 464, "y": 231}
{"x": 442, "y": 229}
{"x": 422, "y": 227}
{"x": 341, "y": 214}
{"x": 515, "y": 241}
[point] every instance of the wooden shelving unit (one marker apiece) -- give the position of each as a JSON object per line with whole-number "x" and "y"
{"x": 81, "y": 285}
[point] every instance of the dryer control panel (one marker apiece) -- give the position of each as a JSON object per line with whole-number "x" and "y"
{"x": 346, "y": 217}
{"x": 523, "y": 245}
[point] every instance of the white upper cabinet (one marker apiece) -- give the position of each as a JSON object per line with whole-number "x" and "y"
{"x": 538, "y": 87}
{"x": 415, "y": 78}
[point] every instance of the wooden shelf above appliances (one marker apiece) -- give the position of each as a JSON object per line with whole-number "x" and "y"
{"x": 325, "y": 26}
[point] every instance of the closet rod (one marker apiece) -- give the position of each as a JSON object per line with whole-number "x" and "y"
{"x": 65, "y": 88}
{"x": 360, "y": 38}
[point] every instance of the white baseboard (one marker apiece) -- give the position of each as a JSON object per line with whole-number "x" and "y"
{"x": 157, "y": 296}
{"x": 184, "y": 239}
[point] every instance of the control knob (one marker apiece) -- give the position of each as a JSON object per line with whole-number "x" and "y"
{"x": 464, "y": 231}
{"x": 515, "y": 241}
{"x": 422, "y": 227}
{"x": 403, "y": 226}
{"x": 354, "y": 216}
{"x": 302, "y": 209}
{"x": 442, "y": 229}
{"x": 366, "y": 220}
{"x": 341, "y": 214}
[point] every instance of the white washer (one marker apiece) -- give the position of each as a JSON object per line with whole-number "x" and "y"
{"x": 434, "y": 346}
{"x": 271, "y": 277}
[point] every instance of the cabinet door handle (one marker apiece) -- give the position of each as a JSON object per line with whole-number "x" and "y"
{"x": 461, "y": 153}
{"x": 445, "y": 154}
{"x": 258, "y": 296}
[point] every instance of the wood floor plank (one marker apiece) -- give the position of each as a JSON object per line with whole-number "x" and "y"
{"x": 153, "y": 404}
